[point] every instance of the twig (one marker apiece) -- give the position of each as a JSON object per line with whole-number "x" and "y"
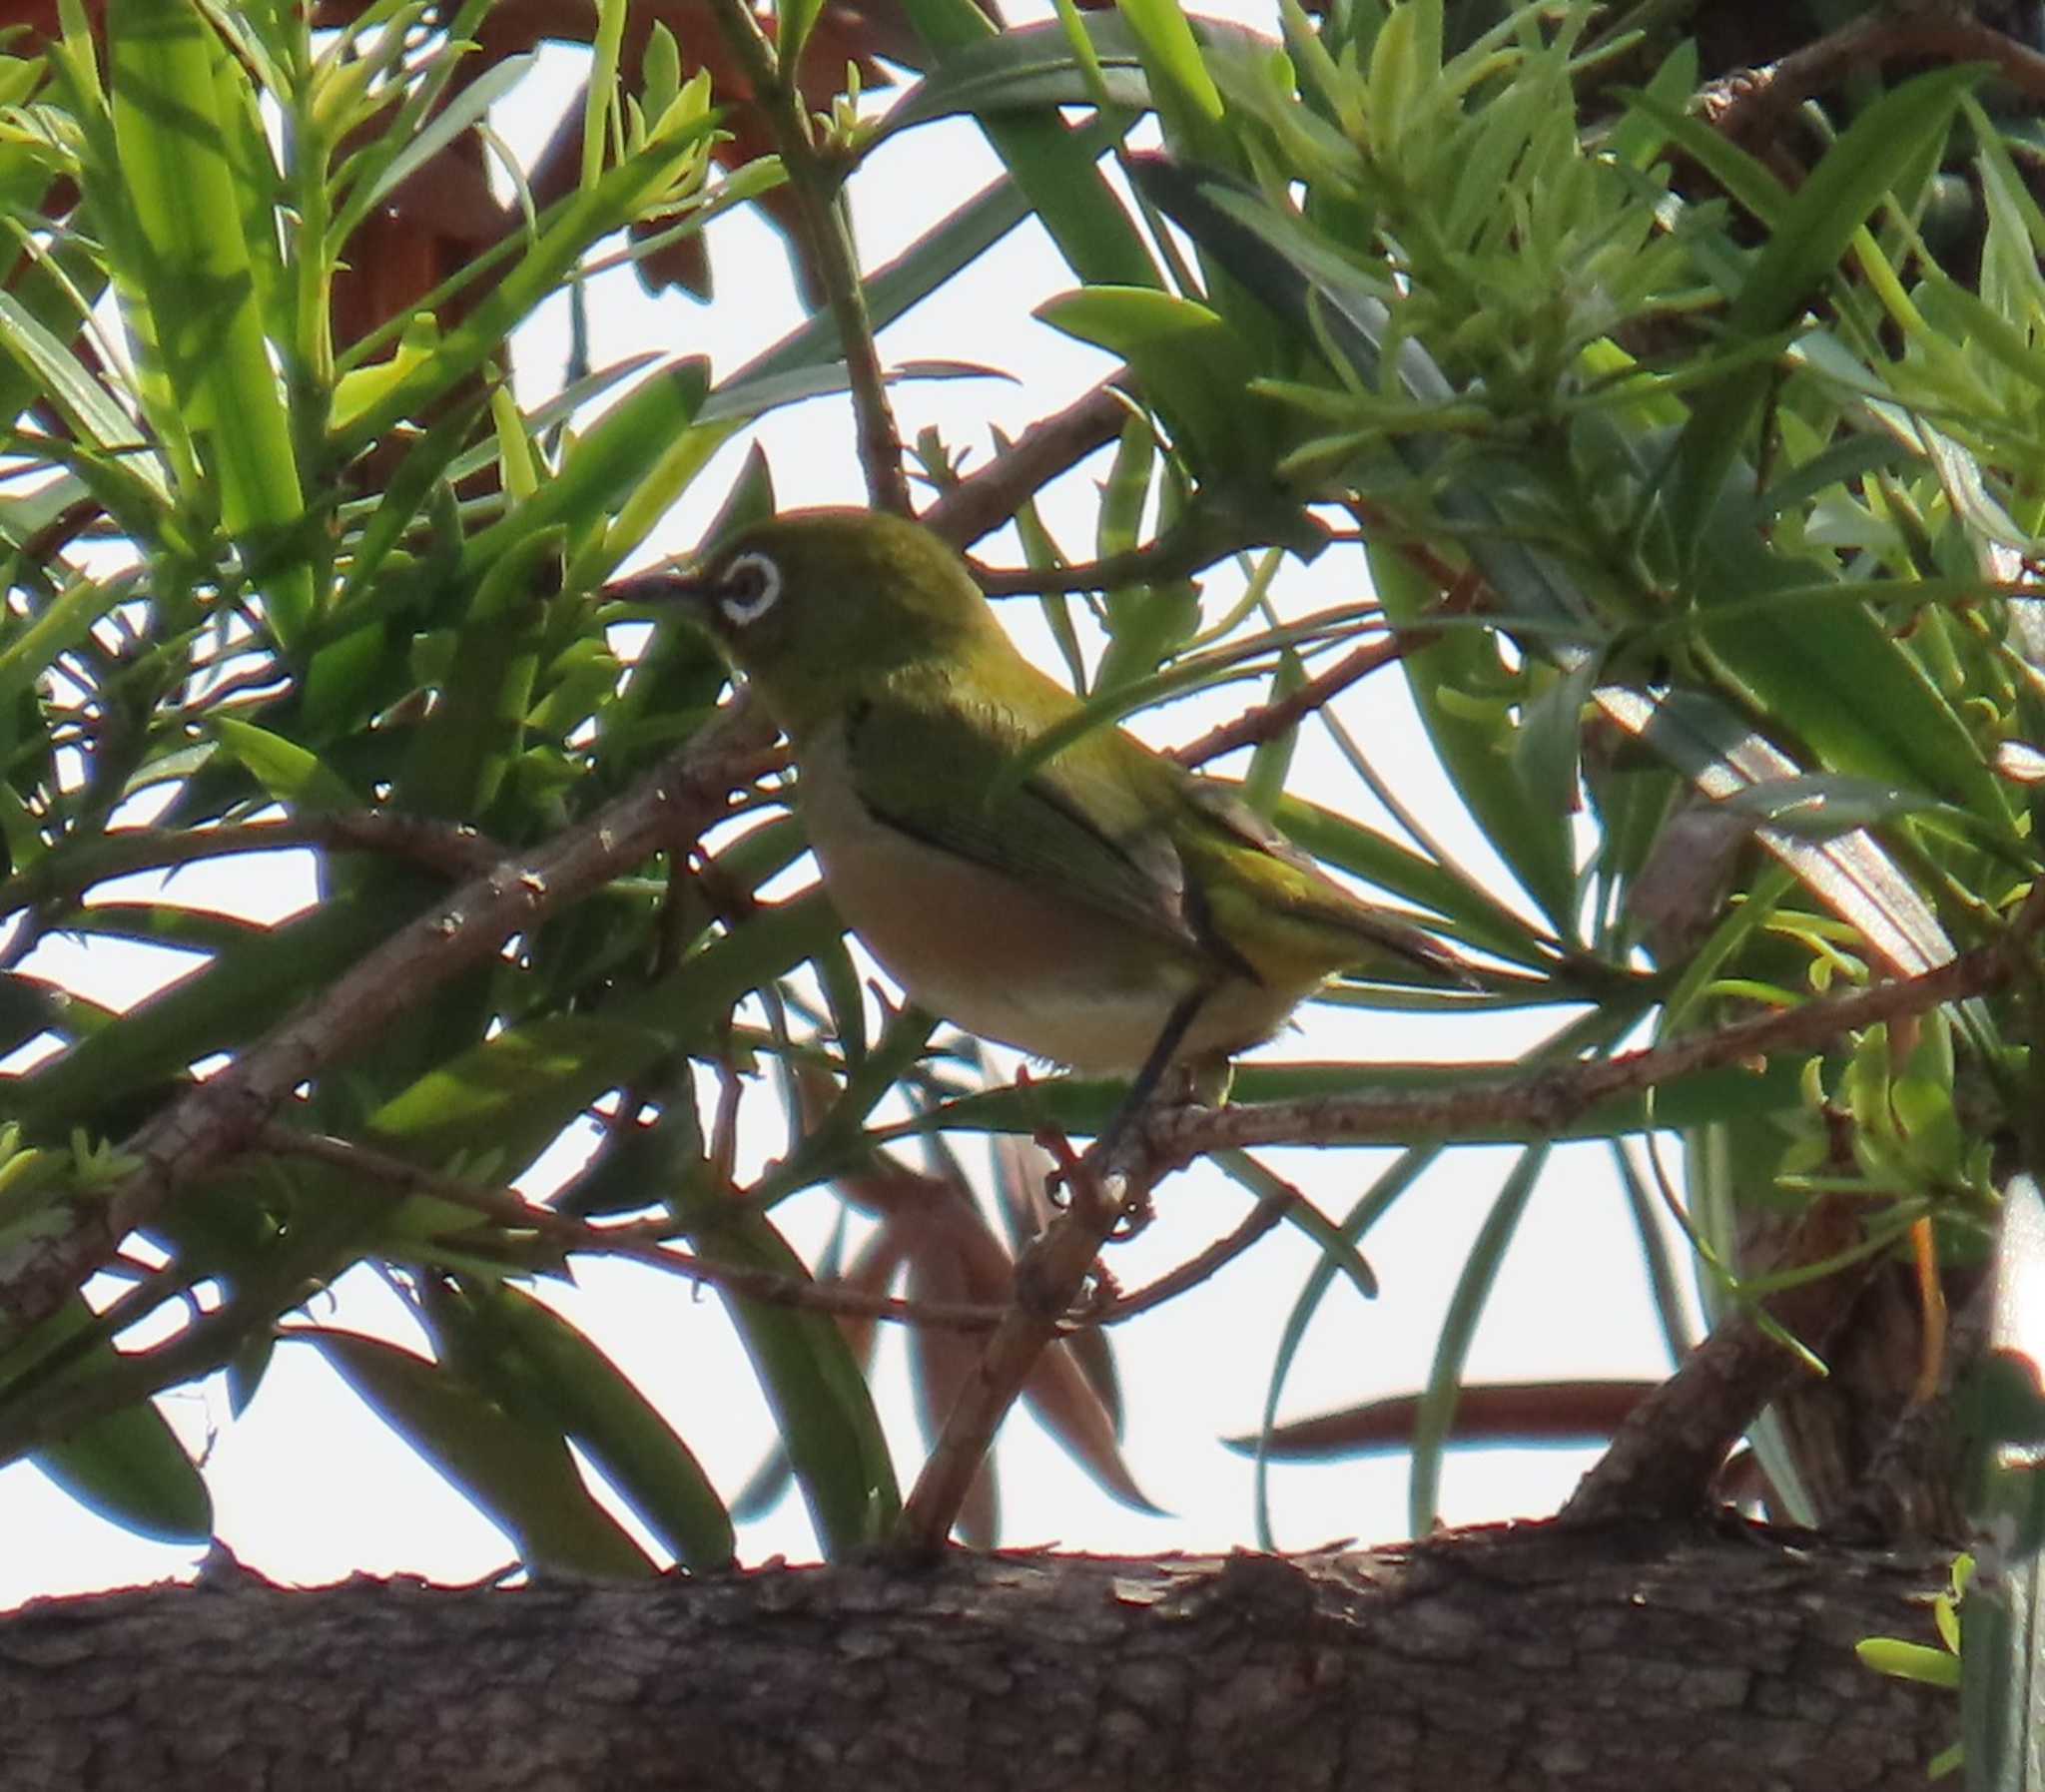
{"x": 1180, "y": 553}
{"x": 451, "y": 848}
{"x": 214, "y": 1119}
{"x": 1747, "y": 105}
{"x": 1053, "y": 1270}
{"x": 981, "y": 503}
{"x": 1547, "y": 1102}
{"x": 1262, "y": 1218}
{"x": 638, "y": 1241}
{"x": 815, "y": 186}
{"x": 1269, "y": 719}
{"x": 1049, "y": 1275}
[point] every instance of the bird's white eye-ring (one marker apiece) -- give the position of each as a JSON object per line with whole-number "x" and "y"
{"x": 750, "y": 586}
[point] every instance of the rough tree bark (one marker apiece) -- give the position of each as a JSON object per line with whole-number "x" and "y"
{"x": 1668, "y": 1658}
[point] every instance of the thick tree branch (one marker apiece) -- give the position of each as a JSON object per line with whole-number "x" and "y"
{"x": 1686, "y": 1658}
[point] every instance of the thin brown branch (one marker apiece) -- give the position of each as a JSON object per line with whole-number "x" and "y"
{"x": 828, "y": 238}
{"x": 1750, "y": 104}
{"x": 1269, "y": 719}
{"x": 454, "y": 848}
{"x": 638, "y": 1241}
{"x": 43, "y": 1410}
{"x": 214, "y": 1120}
{"x": 981, "y": 503}
{"x": 1180, "y": 553}
{"x": 1547, "y": 1103}
{"x": 1261, "y": 1219}
{"x": 1050, "y": 1275}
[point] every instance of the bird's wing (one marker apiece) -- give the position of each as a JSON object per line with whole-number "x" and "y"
{"x": 1088, "y": 824}
{"x": 1289, "y": 888}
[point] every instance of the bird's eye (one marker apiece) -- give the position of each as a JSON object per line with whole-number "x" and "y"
{"x": 750, "y": 585}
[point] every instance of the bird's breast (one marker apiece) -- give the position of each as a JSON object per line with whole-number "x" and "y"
{"x": 1013, "y": 960}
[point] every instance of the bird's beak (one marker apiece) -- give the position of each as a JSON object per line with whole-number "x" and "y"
{"x": 677, "y": 587}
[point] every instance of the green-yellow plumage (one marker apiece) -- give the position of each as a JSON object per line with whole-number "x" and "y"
{"x": 1070, "y": 912}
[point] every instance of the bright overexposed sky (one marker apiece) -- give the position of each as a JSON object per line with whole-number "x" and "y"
{"x": 310, "y": 1486}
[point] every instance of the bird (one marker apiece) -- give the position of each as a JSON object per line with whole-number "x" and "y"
{"x": 1106, "y": 910}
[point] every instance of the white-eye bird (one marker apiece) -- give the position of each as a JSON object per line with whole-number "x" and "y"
{"x": 1108, "y": 910}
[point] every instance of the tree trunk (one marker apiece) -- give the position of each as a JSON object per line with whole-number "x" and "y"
{"x": 1535, "y": 1657}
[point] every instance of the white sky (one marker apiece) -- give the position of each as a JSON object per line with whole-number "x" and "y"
{"x": 308, "y": 1485}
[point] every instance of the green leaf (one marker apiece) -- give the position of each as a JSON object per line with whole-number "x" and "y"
{"x": 1399, "y": 1176}
{"x": 821, "y": 1402}
{"x": 62, "y": 625}
{"x": 1477, "y": 915}
{"x": 603, "y": 463}
{"x": 127, "y": 1466}
{"x": 1470, "y": 709}
{"x": 1437, "y": 1410}
{"x": 1808, "y": 236}
{"x": 468, "y": 106}
{"x": 460, "y": 758}
{"x": 1851, "y": 875}
{"x": 164, "y": 62}
{"x": 1188, "y": 105}
{"x": 567, "y": 231}
{"x": 584, "y": 1392}
{"x": 1917, "y": 1661}
{"x": 794, "y": 21}
{"x": 1054, "y": 165}
{"x": 296, "y": 777}
{"x": 1022, "y": 70}
{"x": 508, "y": 1096}
{"x": 1190, "y": 363}
{"x": 82, "y": 400}
{"x": 1861, "y": 703}
{"x": 244, "y": 990}
{"x": 519, "y": 1472}
{"x": 1335, "y": 1246}
{"x": 1081, "y": 1106}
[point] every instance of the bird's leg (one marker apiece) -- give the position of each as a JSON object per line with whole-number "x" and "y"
{"x": 1146, "y": 1082}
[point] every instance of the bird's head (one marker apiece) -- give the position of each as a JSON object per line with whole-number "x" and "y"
{"x": 814, "y": 603}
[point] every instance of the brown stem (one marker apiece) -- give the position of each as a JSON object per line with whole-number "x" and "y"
{"x": 1049, "y": 1275}
{"x": 1749, "y": 105}
{"x": 444, "y": 846}
{"x": 1547, "y": 1103}
{"x": 640, "y": 1242}
{"x": 1269, "y": 719}
{"x": 979, "y": 504}
{"x": 1670, "y": 1447}
{"x": 829, "y": 241}
{"x": 1262, "y": 1218}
